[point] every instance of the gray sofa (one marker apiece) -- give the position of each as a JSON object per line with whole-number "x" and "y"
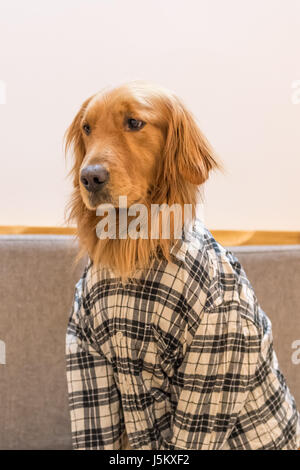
{"x": 37, "y": 278}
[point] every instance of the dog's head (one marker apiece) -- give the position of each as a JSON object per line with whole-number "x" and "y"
{"x": 135, "y": 141}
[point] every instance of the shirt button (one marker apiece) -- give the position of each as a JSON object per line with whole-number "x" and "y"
{"x": 119, "y": 335}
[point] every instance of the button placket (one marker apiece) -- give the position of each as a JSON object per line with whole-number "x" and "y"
{"x": 120, "y": 339}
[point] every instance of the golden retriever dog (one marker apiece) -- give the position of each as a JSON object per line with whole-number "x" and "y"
{"x": 137, "y": 140}
{"x": 180, "y": 356}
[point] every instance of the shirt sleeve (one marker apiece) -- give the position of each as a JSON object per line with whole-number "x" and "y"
{"x": 214, "y": 380}
{"x": 96, "y": 415}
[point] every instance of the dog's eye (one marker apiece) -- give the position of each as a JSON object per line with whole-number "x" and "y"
{"x": 87, "y": 129}
{"x": 135, "y": 124}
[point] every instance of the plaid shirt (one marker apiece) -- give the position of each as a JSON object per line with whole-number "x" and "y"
{"x": 182, "y": 358}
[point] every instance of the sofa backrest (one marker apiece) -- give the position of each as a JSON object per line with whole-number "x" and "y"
{"x": 37, "y": 279}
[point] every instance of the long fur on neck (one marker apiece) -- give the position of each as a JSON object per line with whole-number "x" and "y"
{"x": 127, "y": 256}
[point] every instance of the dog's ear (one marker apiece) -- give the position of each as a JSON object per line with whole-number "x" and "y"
{"x": 74, "y": 140}
{"x": 187, "y": 151}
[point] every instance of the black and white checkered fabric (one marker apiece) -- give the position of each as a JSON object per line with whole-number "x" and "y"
{"x": 182, "y": 357}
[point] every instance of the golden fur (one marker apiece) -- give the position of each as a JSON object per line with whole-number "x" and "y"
{"x": 164, "y": 162}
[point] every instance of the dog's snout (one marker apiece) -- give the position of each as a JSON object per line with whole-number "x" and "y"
{"x": 93, "y": 177}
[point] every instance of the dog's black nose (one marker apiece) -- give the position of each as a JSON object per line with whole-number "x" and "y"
{"x": 93, "y": 177}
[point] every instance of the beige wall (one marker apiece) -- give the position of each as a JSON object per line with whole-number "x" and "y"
{"x": 235, "y": 63}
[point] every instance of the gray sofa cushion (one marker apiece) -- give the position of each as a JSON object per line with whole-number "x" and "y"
{"x": 37, "y": 279}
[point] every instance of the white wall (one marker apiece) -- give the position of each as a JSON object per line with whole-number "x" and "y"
{"x": 233, "y": 62}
